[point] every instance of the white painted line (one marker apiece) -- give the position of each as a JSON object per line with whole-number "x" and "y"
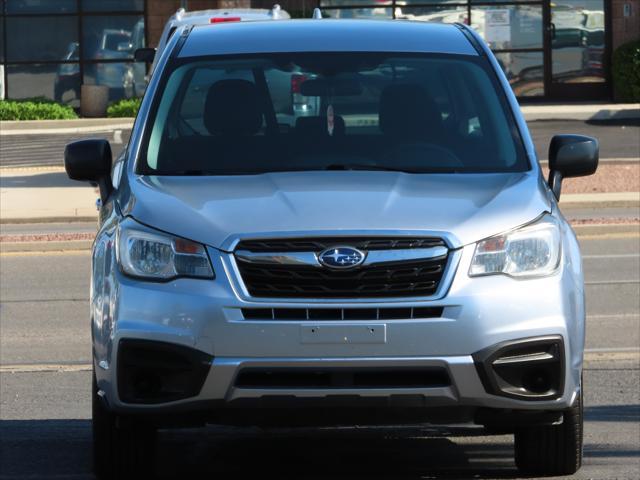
{"x": 613, "y": 255}
{"x": 612, "y": 350}
{"x": 117, "y": 137}
{"x": 613, "y": 315}
{"x": 613, "y": 282}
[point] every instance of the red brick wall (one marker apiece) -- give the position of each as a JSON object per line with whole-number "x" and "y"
{"x": 624, "y": 29}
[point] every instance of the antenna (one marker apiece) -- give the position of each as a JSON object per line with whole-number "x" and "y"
{"x": 317, "y": 14}
{"x": 180, "y": 12}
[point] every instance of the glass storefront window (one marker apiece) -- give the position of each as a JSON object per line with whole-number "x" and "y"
{"x": 578, "y": 41}
{"x": 438, "y": 14}
{"x": 525, "y": 72}
{"x": 339, "y": 3}
{"x": 111, "y": 37}
{"x": 507, "y": 27}
{"x": 56, "y": 82}
{"x": 364, "y": 13}
{"x": 112, "y": 5}
{"x": 41, "y": 6}
{"x": 120, "y": 77}
{"x": 40, "y": 38}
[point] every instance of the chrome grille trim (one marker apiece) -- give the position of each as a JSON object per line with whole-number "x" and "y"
{"x": 374, "y": 257}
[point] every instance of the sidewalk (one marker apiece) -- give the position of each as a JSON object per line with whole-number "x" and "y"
{"x": 532, "y": 113}
{"x": 46, "y": 195}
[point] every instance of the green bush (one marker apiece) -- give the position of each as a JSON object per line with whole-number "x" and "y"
{"x": 124, "y": 108}
{"x": 626, "y": 71}
{"x": 35, "y": 109}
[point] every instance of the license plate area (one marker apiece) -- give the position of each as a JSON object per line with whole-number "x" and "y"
{"x": 343, "y": 334}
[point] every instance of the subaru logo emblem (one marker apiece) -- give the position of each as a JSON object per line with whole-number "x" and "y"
{"x": 341, "y": 258}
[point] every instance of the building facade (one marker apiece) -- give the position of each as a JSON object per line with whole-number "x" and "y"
{"x": 551, "y": 50}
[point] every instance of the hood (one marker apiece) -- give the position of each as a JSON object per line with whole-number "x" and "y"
{"x": 463, "y": 208}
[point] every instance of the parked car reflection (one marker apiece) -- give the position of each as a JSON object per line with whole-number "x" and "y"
{"x": 68, "y": 75}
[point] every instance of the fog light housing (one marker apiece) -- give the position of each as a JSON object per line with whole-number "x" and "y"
{"x": 152, "y": 372}
{"x": 528, "y": 369}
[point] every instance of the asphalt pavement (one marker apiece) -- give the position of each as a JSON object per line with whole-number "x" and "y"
{"x": 45, "y": 398}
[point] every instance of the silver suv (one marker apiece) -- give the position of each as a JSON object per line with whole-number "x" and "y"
{"x": 398, "y": 258}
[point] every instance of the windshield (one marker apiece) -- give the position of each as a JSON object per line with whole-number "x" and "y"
{"x": 307, "y": 111}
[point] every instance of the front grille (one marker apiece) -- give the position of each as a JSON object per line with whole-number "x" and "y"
{"x": 322, "y": 243}
{"x": 407, "y": 278}
{"x": 336, "y": 378}
{"x": 400, "y": 313}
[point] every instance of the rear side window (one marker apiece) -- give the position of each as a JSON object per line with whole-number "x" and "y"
{"x": 297, "y": 112}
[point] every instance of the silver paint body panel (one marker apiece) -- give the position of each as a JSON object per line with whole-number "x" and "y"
{"x": 221, "y": 211}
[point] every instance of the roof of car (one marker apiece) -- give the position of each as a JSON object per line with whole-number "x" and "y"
{"x": 204, "y": 16}
{"x": 326, "y": 36}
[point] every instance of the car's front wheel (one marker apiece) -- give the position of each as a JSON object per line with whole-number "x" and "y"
{"x": 122, "y": 448}
{"x": 552, "y": 449}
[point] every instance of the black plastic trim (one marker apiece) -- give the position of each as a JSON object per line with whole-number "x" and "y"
{"x": 484, "y": 360}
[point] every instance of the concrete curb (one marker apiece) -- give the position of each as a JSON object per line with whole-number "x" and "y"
{"x": 25, "y": 247}
{"x": 44, "y": 127}
{"x": 56, "y": 219}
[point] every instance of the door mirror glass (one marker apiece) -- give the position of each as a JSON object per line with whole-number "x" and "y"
{"x": 145, "y": 54}
{"x": 571, "y": 156}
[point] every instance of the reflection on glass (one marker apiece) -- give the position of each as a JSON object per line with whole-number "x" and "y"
{"x": 1, "y": 39}
{"x": 68, "y": 75}
{"x": 433, "y": 14}
{"x": 338, "y": 3}
{"x": 115, "y": 75}
{"x": 525, "y": 72}
{"x": 112, "y": 5}
{"x": 40, "y": 6}
{"x": 40, "y": 38}
{"x": 577, "y": 41}
{"x": 509, "y": 26}
{"x": 111, "y": 37}
{"x": 371, "y": 13}
{"x": 422, "y": 2}
{"x": 49, "y": 81}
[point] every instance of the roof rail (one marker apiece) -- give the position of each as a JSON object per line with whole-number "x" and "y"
{"x": 317, "y": 14}
{"x": 179, "y": 13}
{"x": 275, "y": 11}
{"x": 472, "y": 36}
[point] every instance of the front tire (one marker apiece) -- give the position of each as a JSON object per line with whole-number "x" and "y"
{"x": 552, "y": 449}
{"x": 122, "y": 448}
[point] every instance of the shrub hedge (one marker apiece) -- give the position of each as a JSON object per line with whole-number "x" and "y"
{"x": 35, "y": 109}
{"x": 626, "y": 71}
{"x": 124, "y": 108}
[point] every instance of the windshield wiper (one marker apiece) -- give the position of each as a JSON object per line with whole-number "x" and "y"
{"x": 368, "y": 166}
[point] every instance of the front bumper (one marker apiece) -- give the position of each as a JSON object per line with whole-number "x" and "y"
{"x": 478, "y": 314}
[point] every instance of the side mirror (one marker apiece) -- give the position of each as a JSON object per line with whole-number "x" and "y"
{"x": 146, "y": 54}
{"x": 90, "y": 161}
{"x": 125, "y": 47}
{"x": 571, "y": 156}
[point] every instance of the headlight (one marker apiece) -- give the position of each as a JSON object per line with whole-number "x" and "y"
{"x": 533, "y": 250}
{"x": 157, "y": 256}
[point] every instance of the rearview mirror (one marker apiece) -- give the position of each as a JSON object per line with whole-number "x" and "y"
{"x": 571, "y": 156}
{"x": 90, "y": 161}
{"x": 146, "y": 54}
{"x": 322, "y": 87}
